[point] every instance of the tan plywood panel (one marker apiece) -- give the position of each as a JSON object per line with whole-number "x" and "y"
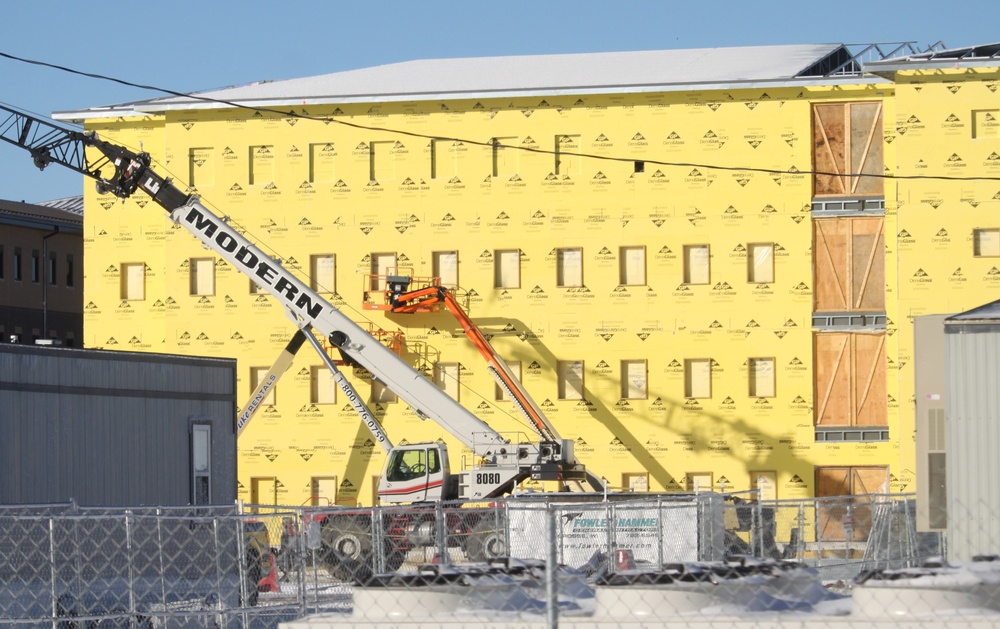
{"x": 831, "y": 253}
{"x": 849, "y": 264}
{"x": 847, "y": 141}
{"x": 869, "y": 380}
{"x": 866, "y": 147}
{"x": 850, "y": 379}
{"x": 832, "y": 481}
{"x": 829, "y": 140}
{"x": 870, "y": 480}
{"x": 868, "y": 264}
{"x": 833, "y": 377}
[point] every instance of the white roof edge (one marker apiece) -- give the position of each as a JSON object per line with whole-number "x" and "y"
{"x": 152, "y": 107}
{"x": 899, "y": 65}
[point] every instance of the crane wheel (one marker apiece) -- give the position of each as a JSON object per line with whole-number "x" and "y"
{"x": 487, "y": 540}
{"x": 347, "y": 549}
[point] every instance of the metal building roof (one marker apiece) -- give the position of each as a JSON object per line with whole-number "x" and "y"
{"x": 40, "y": 216}
{"x": 987, "y": 313}
{"x": 69, "y": 204}
{"x": 584, "y": 73}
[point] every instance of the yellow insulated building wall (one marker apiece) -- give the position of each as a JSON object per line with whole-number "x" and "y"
{"x": 947, "y": 139}
{"x": 643, "y": 260}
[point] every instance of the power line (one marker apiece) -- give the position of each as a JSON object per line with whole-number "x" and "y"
{"x": 492, "y": 142}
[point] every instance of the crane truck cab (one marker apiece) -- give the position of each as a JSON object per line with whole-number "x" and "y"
{"x": 417, "y": 472}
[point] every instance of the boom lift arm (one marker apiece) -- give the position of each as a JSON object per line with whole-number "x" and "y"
{"x": 407, "y": 302}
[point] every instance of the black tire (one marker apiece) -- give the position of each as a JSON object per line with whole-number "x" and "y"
{"x": 347, "y": 549}
{"x": 253, "y": 574}
{"x": 487, "y": 540}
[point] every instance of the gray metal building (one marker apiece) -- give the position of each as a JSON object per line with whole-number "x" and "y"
{"x": 116, "y": 428}
{"x": 972, "y": 354}
{"x": 931, "y": 405}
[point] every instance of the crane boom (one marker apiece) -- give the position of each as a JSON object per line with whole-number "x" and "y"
{"x": 50, "y": 143}
{"x": 122, "y": 172}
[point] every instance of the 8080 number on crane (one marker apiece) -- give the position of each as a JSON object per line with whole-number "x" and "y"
{"x": 487, "y": 478}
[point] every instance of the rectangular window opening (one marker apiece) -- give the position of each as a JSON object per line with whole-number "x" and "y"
{"x": 202, "y": 272}
{"x": 381, "y": 161}
{"x": 323, "y": 273}
{"x": 323, "y": 491}
{"x": 985, "y": 124}
{"x": 986, "y": 242}
{"x": 567, "y": 159}
{"x": 35, "y": 267}
{"x": 762, "y": 381}
{"x": 635, "y": 481}
{"x": 261, "y": 165}
{"x": 634, "y": 374}
{"x": 201, "y": 167}
{"x": 698, "y": 481}
{"x": 760, "y": 263}
{"x": 50, "y": 270}
{"x": 570, "y": 379}
{"x": 445, "y": 158}
{"x": 446, "y": 377}
{"x": 698, "y": 378}
{"x": 382, "y": 265}
{"x": 632, "y": 266}
{"x": 201, "y": 464}
{"x": 765, "y": 484}
{"x": 322, "y": 386}
{"x": 507, "y": 268}
{"x": 133, "y": 281}
{"x": 504, "y": 156}
{"x": 322, "y": 162}
{"x": 697, "y": 268}
{"x": 569, "y": 267}
{"x": 445, "y": 268}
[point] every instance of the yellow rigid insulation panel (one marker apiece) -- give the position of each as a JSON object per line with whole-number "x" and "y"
{"x": 650, "y": 274}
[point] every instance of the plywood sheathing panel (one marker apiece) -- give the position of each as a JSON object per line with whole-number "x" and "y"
{"x": 849, "y": 264}
{"x": 847, "y": 141}
{"x": 850, "y": 379}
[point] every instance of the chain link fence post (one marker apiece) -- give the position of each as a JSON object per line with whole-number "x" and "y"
{"x": 300, "y": 546}
{"x": 53, "y": 574}
{"x": 551, "y": 571}
{"x": 129, "y": 556}
{"x": 440, "y": 539}
{"x": 660, "y": 530}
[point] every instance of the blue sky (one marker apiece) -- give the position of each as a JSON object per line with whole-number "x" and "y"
{"x": 186, "y": 45}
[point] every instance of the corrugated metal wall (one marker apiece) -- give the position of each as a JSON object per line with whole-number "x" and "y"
{"x": 973, "y": 438}
{"x": 111, "y": 428}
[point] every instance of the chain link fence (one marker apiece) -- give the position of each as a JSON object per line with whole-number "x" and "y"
{"x": 538, "y": 557}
